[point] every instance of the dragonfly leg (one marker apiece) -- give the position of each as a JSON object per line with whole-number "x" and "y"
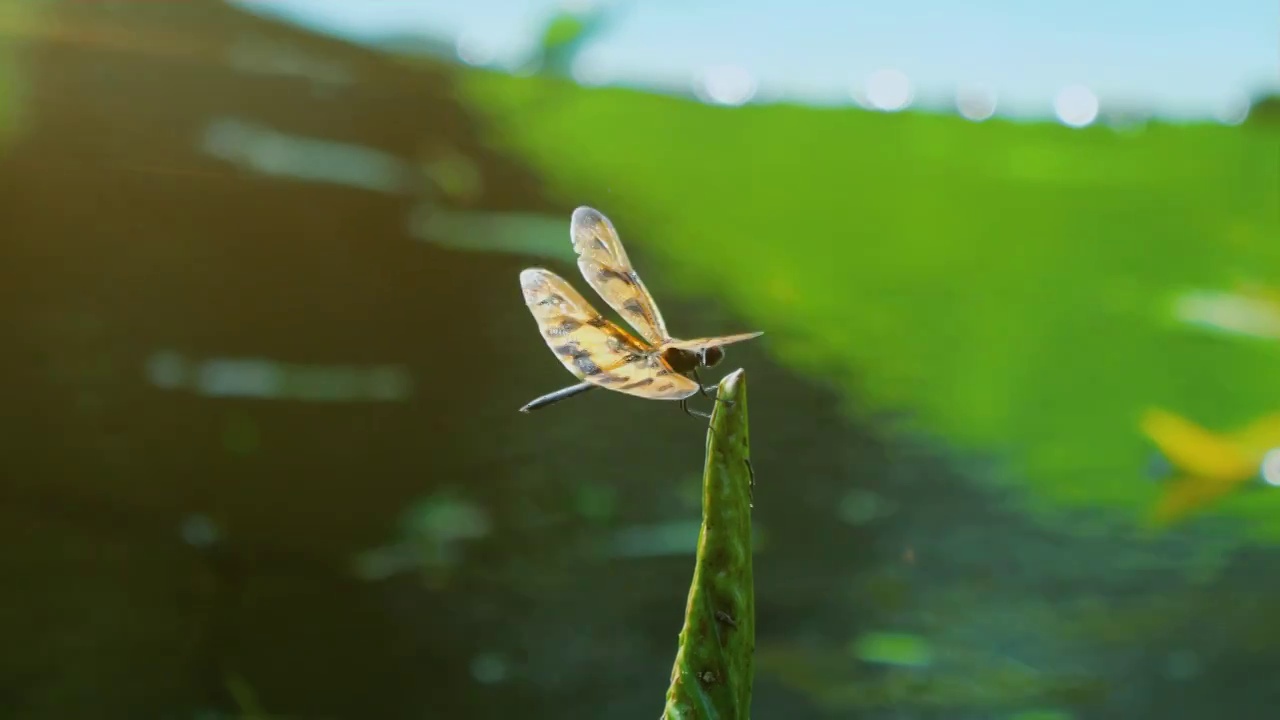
{"x": 703, "y": 389}
{"x": 684, "y": 405}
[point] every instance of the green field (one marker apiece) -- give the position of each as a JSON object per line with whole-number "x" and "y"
{"x": 1008, "y": 287}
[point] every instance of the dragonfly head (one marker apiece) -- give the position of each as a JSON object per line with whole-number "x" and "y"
{"x": 710, "y": 357}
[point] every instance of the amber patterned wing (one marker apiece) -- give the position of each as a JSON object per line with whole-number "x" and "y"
{"x": 606, "y": 268}
{"x": 594, "y": 349}
{"x": 703, "y": 343}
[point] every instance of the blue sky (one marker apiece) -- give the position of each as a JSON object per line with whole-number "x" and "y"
{"x": 1183, "y": 60}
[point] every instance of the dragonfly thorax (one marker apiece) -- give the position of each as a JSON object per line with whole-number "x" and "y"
{"x": 683, "y": 361}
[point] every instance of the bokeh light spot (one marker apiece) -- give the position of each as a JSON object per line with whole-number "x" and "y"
{"x": 1271, "y": 468}
{"x": 472, "y": 49}
{"x": 587, "y": 69}
{"x": 726, "y": 85}
{"x": 1234, "y": 111}
{"x": 1076, "y": 106}
{"x": 889, "y": 90}
{"x": 975, "y": 101}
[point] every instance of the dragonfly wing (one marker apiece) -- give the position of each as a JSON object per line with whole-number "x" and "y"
{"x": 703, "y": 343}
{"x": 606, "y": 268}
{"x": 594, "y": 349}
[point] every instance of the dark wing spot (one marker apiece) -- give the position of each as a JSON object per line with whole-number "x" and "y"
{"x": 612, "y": 379}
{"x": 599, "y": 243}
{"x": 664, "y": 387}
{"x": 605, "y": 273}
{"x": 573, "y": 350}
{"x": 585, "y": 364}
{"x": 564, "y": 327}
{"x": 552, "y": 299}
{"x": 638, "y": 384}
{"x": 597, "y": 322}
{"x": 634, "y": 307}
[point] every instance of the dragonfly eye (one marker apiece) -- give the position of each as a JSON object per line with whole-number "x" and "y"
{"x": 712, "y": 356}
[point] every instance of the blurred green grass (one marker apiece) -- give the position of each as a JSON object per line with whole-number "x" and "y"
{"x": 1008, "y": 285}
{"x": 14, "y": 16}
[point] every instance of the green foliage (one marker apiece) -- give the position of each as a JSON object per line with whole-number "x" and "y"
{"x": 564, "y": 36}
{"x": 15, "y": 18}
{"x": 1265, "y": 110}
{"x": 1011, "y": 286}
{"x": 712, "y": 676}
{"x": 563, "y": 29}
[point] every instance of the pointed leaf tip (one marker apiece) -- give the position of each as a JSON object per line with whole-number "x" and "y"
{"x": 729, "y": 383}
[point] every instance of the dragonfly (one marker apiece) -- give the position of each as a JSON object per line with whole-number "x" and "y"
{"x": 596, "y": 350}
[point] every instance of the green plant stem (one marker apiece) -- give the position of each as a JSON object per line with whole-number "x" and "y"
{"x": 712, "y": 676}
